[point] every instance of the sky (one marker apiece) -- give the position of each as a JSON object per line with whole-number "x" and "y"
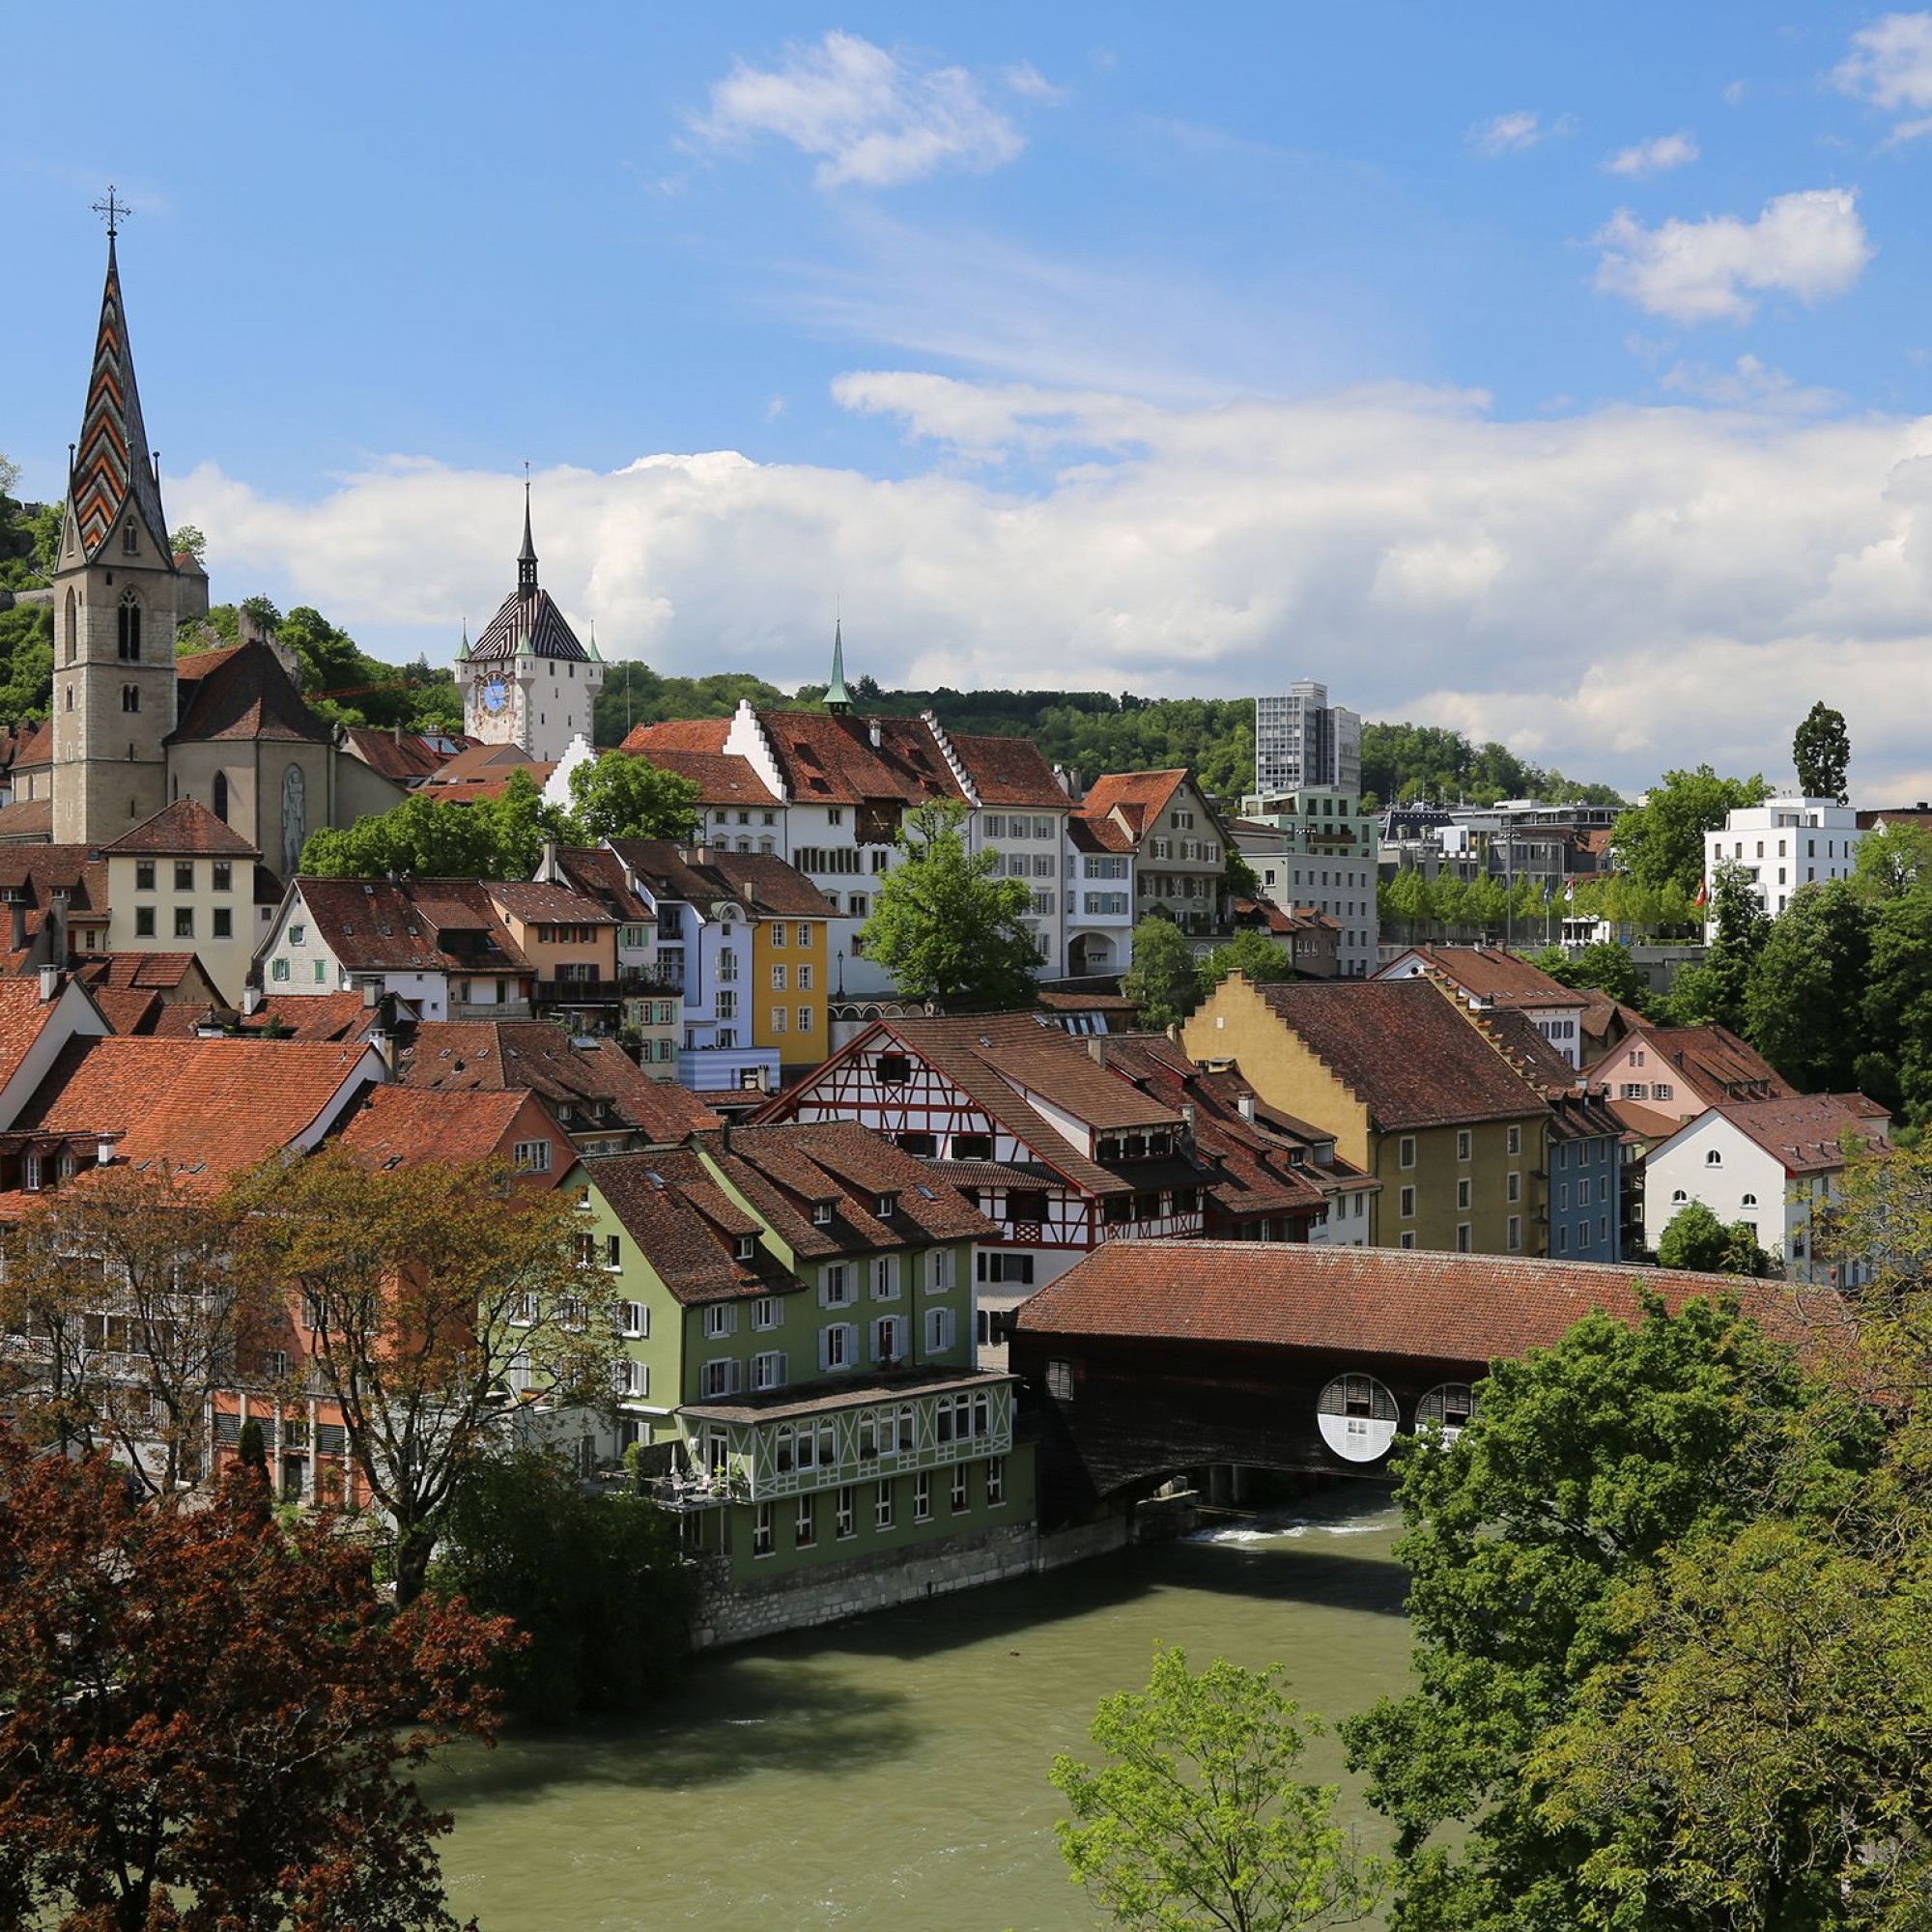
{"x": 1560, "y": 375}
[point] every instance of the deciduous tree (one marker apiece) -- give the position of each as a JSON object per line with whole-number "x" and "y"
{"x": 945, "y": 925}
{"x": 1801, "y": 1006}
{"x": 202, "y": 1714}
{"x": 1715, "y": 991}
{"x": 618, "y": 796}
{"x": 1252, "y": 953}
{"x": 1695, "y": 1238}
{"x": 1660, "y": 842}
{"x": 1197, "y": 1821}
{"x": 499, "y": 837}
{"x": 428, "y": 1293}
{"x": 1164, "y": 978}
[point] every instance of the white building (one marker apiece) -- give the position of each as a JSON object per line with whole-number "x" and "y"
{"x": 1771, "y": 1164}
{"x": 1783, "y": 845}
{"x": 1301, "y": 741}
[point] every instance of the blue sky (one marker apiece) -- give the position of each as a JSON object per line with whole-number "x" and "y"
{"x": 1560, "y": 373}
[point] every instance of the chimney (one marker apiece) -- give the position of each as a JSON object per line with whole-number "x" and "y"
{"x": 1096, "y": 1048}
{"x": 873, "y": 733}
{"x": 1246, "y": 1103}
{"x": 103, "y": 1153}
{"x": 50, "y": 981}
{"x": 397, "y": 729}
{"x": 17, "y": 927}
{"x": 251, "y": 1000}
{"x": 371, "y": 994}
{"x": 548, "y": 870}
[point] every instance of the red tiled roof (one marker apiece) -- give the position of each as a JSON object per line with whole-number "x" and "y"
{"x": 599, "y": 874}
{"x": 1489, "y": 974}
{"x": 244, "y": 694}
{"x": 148, "y": 972}
{"x": 185, "y": 829}
{"x": 1645, "y": 1123}
{"x": 1804, "y": 1131}
{"x": 211, "y": 1107}
{"x": 1139, "y": 797}
{"x": 1716, "y": 1063}
{"x": 1403, "y": 1050}
{"x": 454, "y": 1056}
{"x": 722, "y": 778}
{"x": 1397, "y": 1303}
{"x": 410, "y": 1125}
{"x": 1008, "y": 771}
{"x": 538, "y": 901}
{"x": 765, "y": 885}
{"x": 828, "y": 760}
{"x": 382, "y": 926}
{"x": 37, "y": 872}
{"x": 32, "y": 745}
{"x": 27, "y": 818}
{"x": 23, "y": 1018}
{"x": 403, "y": 759}
{"x": 678, "y": 734}
{"x": 685, "y": 1226}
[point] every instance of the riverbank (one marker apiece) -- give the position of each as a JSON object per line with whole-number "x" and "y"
{"x": 892, "y": 1772}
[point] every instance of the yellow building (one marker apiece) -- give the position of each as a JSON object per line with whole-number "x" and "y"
{"x": 786, "y": 1002}
{"x": 1412, "y": 1092}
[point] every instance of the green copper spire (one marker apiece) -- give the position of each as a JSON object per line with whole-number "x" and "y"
{"x": 463, "y": 649}
{"x": 837, "y": 698}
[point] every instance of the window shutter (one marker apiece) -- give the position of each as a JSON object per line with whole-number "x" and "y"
{"x": 824, "y": 1348}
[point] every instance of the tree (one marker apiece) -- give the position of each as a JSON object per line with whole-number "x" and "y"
{"x": 1695, "y": 1238}
{"x": 1253, "y": 953}
{"x": 499, "y": 837}
{"x": 1405, "y": 902}
{"x": 1197, "y": 1819}
{"x": 1715, "y": 991}
{"x": 422, "y": 1289}
{"x": 1604, "y": 965}
{"x": 618, "y": 796}
{"x": 1891, "y": 859}
{"x": 1238, "y": 878}
{"x": 134, "y": 1317}
{"x": 1821, "y": 750}
{"x": 945, "y": 926}
{"x": 1802, "y": 1011}
{"x": 1585, "y": 1467}
{"x": 597, "y": 1583}
{"x": 202, "y": 1714}
{"x": 189, "y": 541}
{"x": 1660, "y": 842}
{"x": 1164, "y": 980}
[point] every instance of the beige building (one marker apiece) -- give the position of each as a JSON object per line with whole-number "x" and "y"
{"x": 1175, "y": 841}
{"x": 184, "y": 882}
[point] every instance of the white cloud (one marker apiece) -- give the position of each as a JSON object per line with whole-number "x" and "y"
{"x": 1891, "y": 66}
{"x": 1748, "y": 384}
{"x": 1810, "y": 245}
{"x": 1024, "y": 78}
{"x": 1653, "y": 158}
{"x": 868, "y": 116}
{"x": 1613, "y": 592}
{"x": 1508, "y": 133}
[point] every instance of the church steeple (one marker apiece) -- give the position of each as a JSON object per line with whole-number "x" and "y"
{"x": 837, "y": 699}
{"x": 526, "y": 557}
{"x": 113, "y": 470}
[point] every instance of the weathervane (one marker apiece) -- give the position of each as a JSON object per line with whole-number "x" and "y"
{"x": 114, "y": 210}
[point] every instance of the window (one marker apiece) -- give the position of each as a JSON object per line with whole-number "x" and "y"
{"x": 1060, "y": 1378}
{"x": 778, "y": 1015}
{"x": 821, "y": 1213}
{"x": 767, "y": 1313}
{"x": 957, "y": 1499}
{"x": 885, "y": 1278}
{"x": 224, "y": 923}
{"x": 728, "y": 965}
{"x": 842, "y": 1521}
{"x": 888, "y": 1340}
{"x": 1404, "y": 1152}
{"x": 939, "y": 1330}
{"x": 130, "y": 697}
{"x": 768, "y": 1370}
{"x": 921, "y": 1497}
{"x": 1462, "y": 1144}
{"x": 184, "y": 875}
{"x": 144, "y": 928}
{"x": 761, "y": 1530}
{"x": 632, "y": 1380}
{"x": 1749, "y": 1200}
{"x": 128, "y": 627}
{"x": 531, "y": 1156}
{"x": 778, "y": 934}
{"x": 940, "y": 1270}
{"x": 1514, "y": 1141}
{"x": 1002, "y": 1267}
{"x": 972, "y": 1146}
{"x": 1714, "y": 1159}
{"x": 1409, "y": 1238}
{"x": 805, "y": 1530}
{"x": 882, "y": 1505}
{"x": 1407, "y": 1203}
{"x": 778, "y": 978}
{"x": 727, "y": 1007}
{"x": 996, "y": 1481}
{"x": 719, "y": 1318}
{"x": 184, "y": 921}
{"x": 717, "y": 1378}
{"x": 1661, "y": 1092}
{"x": 834, "y": 1282}
{"x": 634, "y": 1320}
{"x": 1462, "y": 1240}
{"x": 144, "y": 875}
{"x": 1462, "y": 1193}
{"x": 1515, "y": 1232}
{"x": 891, "y": 1069}
{"x": 805, "y": 1019}
{"x": 839, "y": 1347}
{"x": 1513, "y": 1186}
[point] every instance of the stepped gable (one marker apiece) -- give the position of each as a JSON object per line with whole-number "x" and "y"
{"x": 688, "y": 1228}
{"x": 1412, "y": 1304}
{"x": 112, "y": 465}
{"x": 1008, "y": 770}
{"x": 207, "y": 1108}
{"x": 471, "y": 1056}
{"x": 244, "y": 694}
{"x": 826, "y": 759}
{"x": 1403, "y": 1050}
{"x": 185, "y": 829}
{"x": 398, "y": 1126}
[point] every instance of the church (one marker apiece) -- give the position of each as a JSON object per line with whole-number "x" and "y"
{"x": 134, "y": 729}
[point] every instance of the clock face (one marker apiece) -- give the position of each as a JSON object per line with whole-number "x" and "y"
{"x": 495, "y": 696}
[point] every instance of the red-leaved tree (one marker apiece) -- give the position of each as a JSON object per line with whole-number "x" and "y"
{"x": 202, "y": 1714}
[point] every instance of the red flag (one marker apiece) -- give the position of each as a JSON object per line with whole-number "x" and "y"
{"x": 1703, "y": 898}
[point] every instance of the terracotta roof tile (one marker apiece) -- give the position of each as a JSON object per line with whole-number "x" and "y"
{"x": 1489, "y": 973}
{"x": 185, "y": 829}
{"x": 685, "y": 1227}
{"x": 765, "y": 885}
{"x": 411, "y": 1127}
{"x": 1138, "y": 797}
{"x": 23, "y": 1018}
{"x": 1393, "y": 1303}
{"x": 404, "y": 758}
{"x": 538, "y": 901}
{"x": 27, "y": 818}
{"x": 1804, "y": 1131}
{"x": 827, "y": 759}
{"x": 679, "y": 735}
{"x": 1008, "y": 771}
{"x": 722, "y": 778}
{"x": 599, "y": 874}
{"x": 1714, "y": 1063}
{"x": 410, "y": 925}
{"x": 244, "y": 694}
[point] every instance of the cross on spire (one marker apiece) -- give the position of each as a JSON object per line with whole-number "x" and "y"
{"x": 115, "y": 210}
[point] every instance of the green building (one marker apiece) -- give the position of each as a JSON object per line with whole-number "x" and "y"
{"x": 796, "y": 1303}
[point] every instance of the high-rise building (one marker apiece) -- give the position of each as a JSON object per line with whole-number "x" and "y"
{"x": 1301, "y": 741}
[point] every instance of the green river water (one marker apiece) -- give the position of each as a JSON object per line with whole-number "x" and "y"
{"x": 891, "y": 1773}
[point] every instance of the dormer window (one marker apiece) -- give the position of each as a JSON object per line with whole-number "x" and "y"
{"x": 821, "y": 1213}
{"x": 745, "y": 1247}
{"x": 30, "y": 1173}
{"x": 889, "y": 1205}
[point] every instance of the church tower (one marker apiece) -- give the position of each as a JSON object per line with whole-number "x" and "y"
{"x": 526, "y": 680}
{"x": 114, "y": 592}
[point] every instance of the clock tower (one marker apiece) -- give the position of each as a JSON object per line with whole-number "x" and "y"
{"x": 526, "y": 680}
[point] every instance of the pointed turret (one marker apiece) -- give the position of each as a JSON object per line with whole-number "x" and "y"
{"x": 113, "y": 468}
{"x": 526, "y": 557}
{"x": 837, "y": 699}
{"x": 463, "y": 648}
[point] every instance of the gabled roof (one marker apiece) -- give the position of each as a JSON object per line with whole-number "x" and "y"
{"x": 535, "y": 902}
{"x": 211, "y": 1107}
{"x": 679, "y": 735}
{"x": 722, "y": 778}
{"x": 185, "y": 829}
{"x": 600, "y": 1080}
{"x": 1804, "y": 1131}
{"x": 27, "y": 820}
{"x": 242, "y": 694}
{"x": 1138, "y": 798}
{"x": 1400, "y": 1304}
{"x": 411, "y": 926}
{"x": 599, "y": 874}
{"x": 782, "y": 1170}
{"x": 1008, "y": 771}
{"x": 403, "y": 758}
{"x": 685, "y": 1226}
{"x": 705, "y": 877}
{"x": 23, "y": 1018}
{"x": 407, "y": 1127}
{"x": 1495, "y": 976}
{"x": 112, "y": 465}
{"x": 1714, "y": 1062}
{"x": 37, "y": 874}
{"x": 827, "y": 759}
{"x": 1403, "y": 1050}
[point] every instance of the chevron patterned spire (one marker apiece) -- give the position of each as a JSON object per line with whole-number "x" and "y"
{"x": 112, "y": 466}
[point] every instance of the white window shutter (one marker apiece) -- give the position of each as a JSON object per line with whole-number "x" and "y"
{"x": 824, "y": 1348}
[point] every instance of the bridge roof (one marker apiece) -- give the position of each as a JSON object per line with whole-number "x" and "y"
{"x": 1411, "y": 1303}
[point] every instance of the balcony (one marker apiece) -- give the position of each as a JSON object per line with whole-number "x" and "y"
{"x": 639, "y": 984}
{"x": 581, "y": 992}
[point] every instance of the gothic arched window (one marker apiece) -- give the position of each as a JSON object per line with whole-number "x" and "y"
{"x": 221, "y": 796}
{"x": 73, "y": 626}
{"x": 129, "y": 541}
{"x": 130, "y": 628}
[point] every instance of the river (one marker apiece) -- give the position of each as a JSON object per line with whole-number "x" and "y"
{"x": 891, "y": 1773}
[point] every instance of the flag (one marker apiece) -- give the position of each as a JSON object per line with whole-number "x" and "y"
{"x": 1570, "y": 892}
{"x": 1703, "y": 898}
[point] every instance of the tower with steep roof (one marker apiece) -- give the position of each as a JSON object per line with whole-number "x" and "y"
{"x": 526, "y": 680}
{"x": 115, "y": 592}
